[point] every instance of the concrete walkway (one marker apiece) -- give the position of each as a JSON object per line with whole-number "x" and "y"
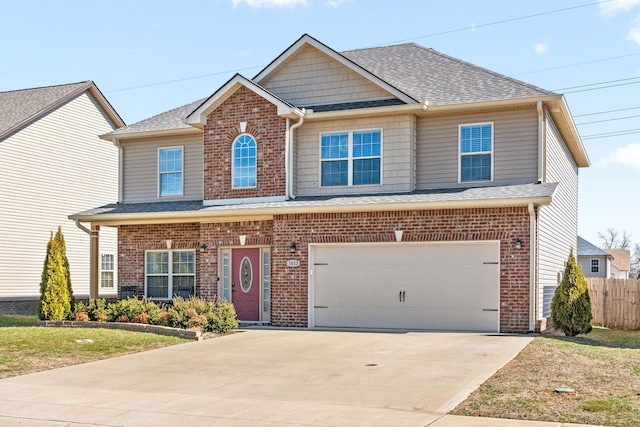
{"x": 270, "y": 378}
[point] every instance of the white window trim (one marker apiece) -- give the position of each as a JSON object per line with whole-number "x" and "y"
{"x": 113, "y": 271}
{"x": 597, "y": 265}
{"x": 170, "y": 272}
{"x": 181, "y": 147}
{"x": 233, "y": 158}
{"x": 460, "y": 154}
{"x": 350, "y": 157}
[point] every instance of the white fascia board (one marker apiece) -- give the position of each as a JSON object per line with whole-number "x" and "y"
{"x": 199, "y": 116}
{"x": 253, "y": 213}
{"x": 307, "y": 39}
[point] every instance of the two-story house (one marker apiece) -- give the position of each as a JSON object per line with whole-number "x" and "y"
{"x": 390, "y": 187}
{"x": 52, "y": 163}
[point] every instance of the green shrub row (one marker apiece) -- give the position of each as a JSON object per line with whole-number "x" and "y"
{"x": 194, "y": 313}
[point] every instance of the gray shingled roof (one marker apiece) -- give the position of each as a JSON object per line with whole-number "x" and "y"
{"x": 20, "y": 107}
{"x": 428, "y": 75}
{"x": 588, "y": 249}
{"x": 169, "y": 120}
{"x": 451, "y": 195}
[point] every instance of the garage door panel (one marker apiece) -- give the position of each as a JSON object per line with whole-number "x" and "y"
{"x": 452, "y": 286}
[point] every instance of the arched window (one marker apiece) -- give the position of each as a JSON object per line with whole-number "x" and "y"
{"x": 244, "y": 162}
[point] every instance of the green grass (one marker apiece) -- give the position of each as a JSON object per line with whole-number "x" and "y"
{"x": 26, "y": 348}
{"x": 602, "y": 367}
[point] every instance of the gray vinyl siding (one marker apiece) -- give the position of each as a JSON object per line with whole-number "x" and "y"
{"x": 585, "y": 263}
{"x": 515, "y": 148}
{"x": 55, "y": 167}
{"x": 140, "y": 168}
{"x": 397, "y": 140}
{"x": 313, "y": 78}
{"x": 558, "y": 222}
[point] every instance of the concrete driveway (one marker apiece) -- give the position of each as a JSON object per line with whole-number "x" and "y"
{"x": 267, "y": 377}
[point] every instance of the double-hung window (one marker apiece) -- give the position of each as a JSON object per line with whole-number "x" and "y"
{"x": 169, "y": 274}
{"x": 350, "y": 158}
{"x": 170, "y": 168}
{"x": 244, "y": 162}
{"x": 107, "y": 270}
{"x": 595, "y": 265}
{"x": 476, "y": 152}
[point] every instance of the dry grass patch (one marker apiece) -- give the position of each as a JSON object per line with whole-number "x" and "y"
{"x": 603, "y": 368}
{"x": 25, "y": 348}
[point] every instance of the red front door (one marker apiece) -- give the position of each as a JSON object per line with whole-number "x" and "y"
{"x": 245, "y": 283}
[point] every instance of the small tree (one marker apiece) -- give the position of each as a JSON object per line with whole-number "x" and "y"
{"x": 571, "y": 304}
{"x": 54, "y": 292}
{"x": 60, "y": 238}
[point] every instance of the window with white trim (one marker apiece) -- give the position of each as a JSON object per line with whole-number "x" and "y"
{"x": 244, "y": 162}
{"x": 476, "y": 152}
{"x": 595, "y": 265}
{"x": 169, "y": 274}
{"x": 170, "y": 169}
{"x": 351, "y": 158}
{"x": 107, "y": 270}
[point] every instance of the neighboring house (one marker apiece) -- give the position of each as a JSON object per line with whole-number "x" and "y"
{"x": 594, "y": 261}
{"x": 620, "y": 264}
{"x": 389, "y": 187}
{"x": 53, "y": 163}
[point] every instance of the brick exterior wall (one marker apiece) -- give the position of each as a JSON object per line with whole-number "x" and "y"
{"x": 289, "y": 286}
{"x": 223, "y": 126}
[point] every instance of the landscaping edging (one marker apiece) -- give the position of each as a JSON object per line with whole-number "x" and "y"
{"x": 134, "y": 327}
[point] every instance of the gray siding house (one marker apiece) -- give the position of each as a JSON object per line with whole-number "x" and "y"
{"x": 389, "y": 187}
{"x": 53, "y": 164}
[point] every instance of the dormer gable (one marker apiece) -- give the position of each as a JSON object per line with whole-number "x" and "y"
{"x": 309, "y": 74}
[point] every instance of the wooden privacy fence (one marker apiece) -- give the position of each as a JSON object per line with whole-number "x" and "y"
{"x": 615, "y": 303}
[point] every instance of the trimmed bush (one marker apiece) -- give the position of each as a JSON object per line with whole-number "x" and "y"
{"x": 59, "y": 237}
{"x": 99, "y": 310}
{"x": 55, "y": 301}
{"x": 571, "y": 304}
{"x": 223, "y": 318}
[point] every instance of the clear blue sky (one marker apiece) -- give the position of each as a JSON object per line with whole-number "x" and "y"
{"x": 149, "y": 56}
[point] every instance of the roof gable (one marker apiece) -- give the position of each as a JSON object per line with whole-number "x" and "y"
{"x": 621, "y": 258}
{"x": 20, "y": 108}
{"x": 589, "y": 249}
{"x": 198, "y": 117}
{"x": 307, "y": 41}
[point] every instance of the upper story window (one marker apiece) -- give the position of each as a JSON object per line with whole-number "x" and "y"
{"x": 244, "y": 162}
{"x": 595, "y": 265}
{"x": 169, "y": 274}
{"x": 476, "y": 152}
{"x": 351, "y": 158}
{"x": 170, "y": 171}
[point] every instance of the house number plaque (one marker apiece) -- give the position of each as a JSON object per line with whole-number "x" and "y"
{"x": 293, "y": 263}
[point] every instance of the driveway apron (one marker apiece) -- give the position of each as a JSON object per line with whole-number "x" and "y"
{"x": 267, "y": 377}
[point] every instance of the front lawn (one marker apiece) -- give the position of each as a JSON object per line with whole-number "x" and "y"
{"x": 26, "y": 348}
{"x": 602, "y": 367}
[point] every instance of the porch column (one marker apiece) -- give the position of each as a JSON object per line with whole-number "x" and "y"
{"x": 94, "y": 255}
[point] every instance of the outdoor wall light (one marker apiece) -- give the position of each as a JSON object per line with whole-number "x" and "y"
{"x": 518, "y": 244}
{"x": 243, "y": 239}
{"x": 293, "y": 247}
{"x": 203, "y": 247}
{"x": 169, "y": 243}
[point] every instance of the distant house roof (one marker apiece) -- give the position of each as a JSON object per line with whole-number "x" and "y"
{"x": 20, "y": 108}
{"x": 588, "y": 249}
{"x": 621, "y": 258}
{"x": 428, "y": 75}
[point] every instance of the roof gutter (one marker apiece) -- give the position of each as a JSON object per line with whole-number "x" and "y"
{"x": 221, "y": 215}
{"x": 149, "y": 134}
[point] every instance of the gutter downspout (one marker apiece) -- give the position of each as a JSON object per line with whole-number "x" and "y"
{"x": 288, "y": 155}
{"x": 120, "y": 170}
{"x": 94, "y": 234}
{"x": 532, "y": 267}
{"x": 542, "y": 146}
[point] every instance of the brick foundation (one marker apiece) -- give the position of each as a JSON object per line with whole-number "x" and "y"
{"x": 289, "y": 287}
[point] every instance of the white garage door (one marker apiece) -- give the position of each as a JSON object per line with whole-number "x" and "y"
{"x": 442, "y": 286}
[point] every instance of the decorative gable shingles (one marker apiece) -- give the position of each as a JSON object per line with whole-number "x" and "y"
{"x": 223, "y": 126}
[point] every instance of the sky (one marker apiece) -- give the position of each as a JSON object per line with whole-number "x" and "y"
{"x": 149, "y": 56}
